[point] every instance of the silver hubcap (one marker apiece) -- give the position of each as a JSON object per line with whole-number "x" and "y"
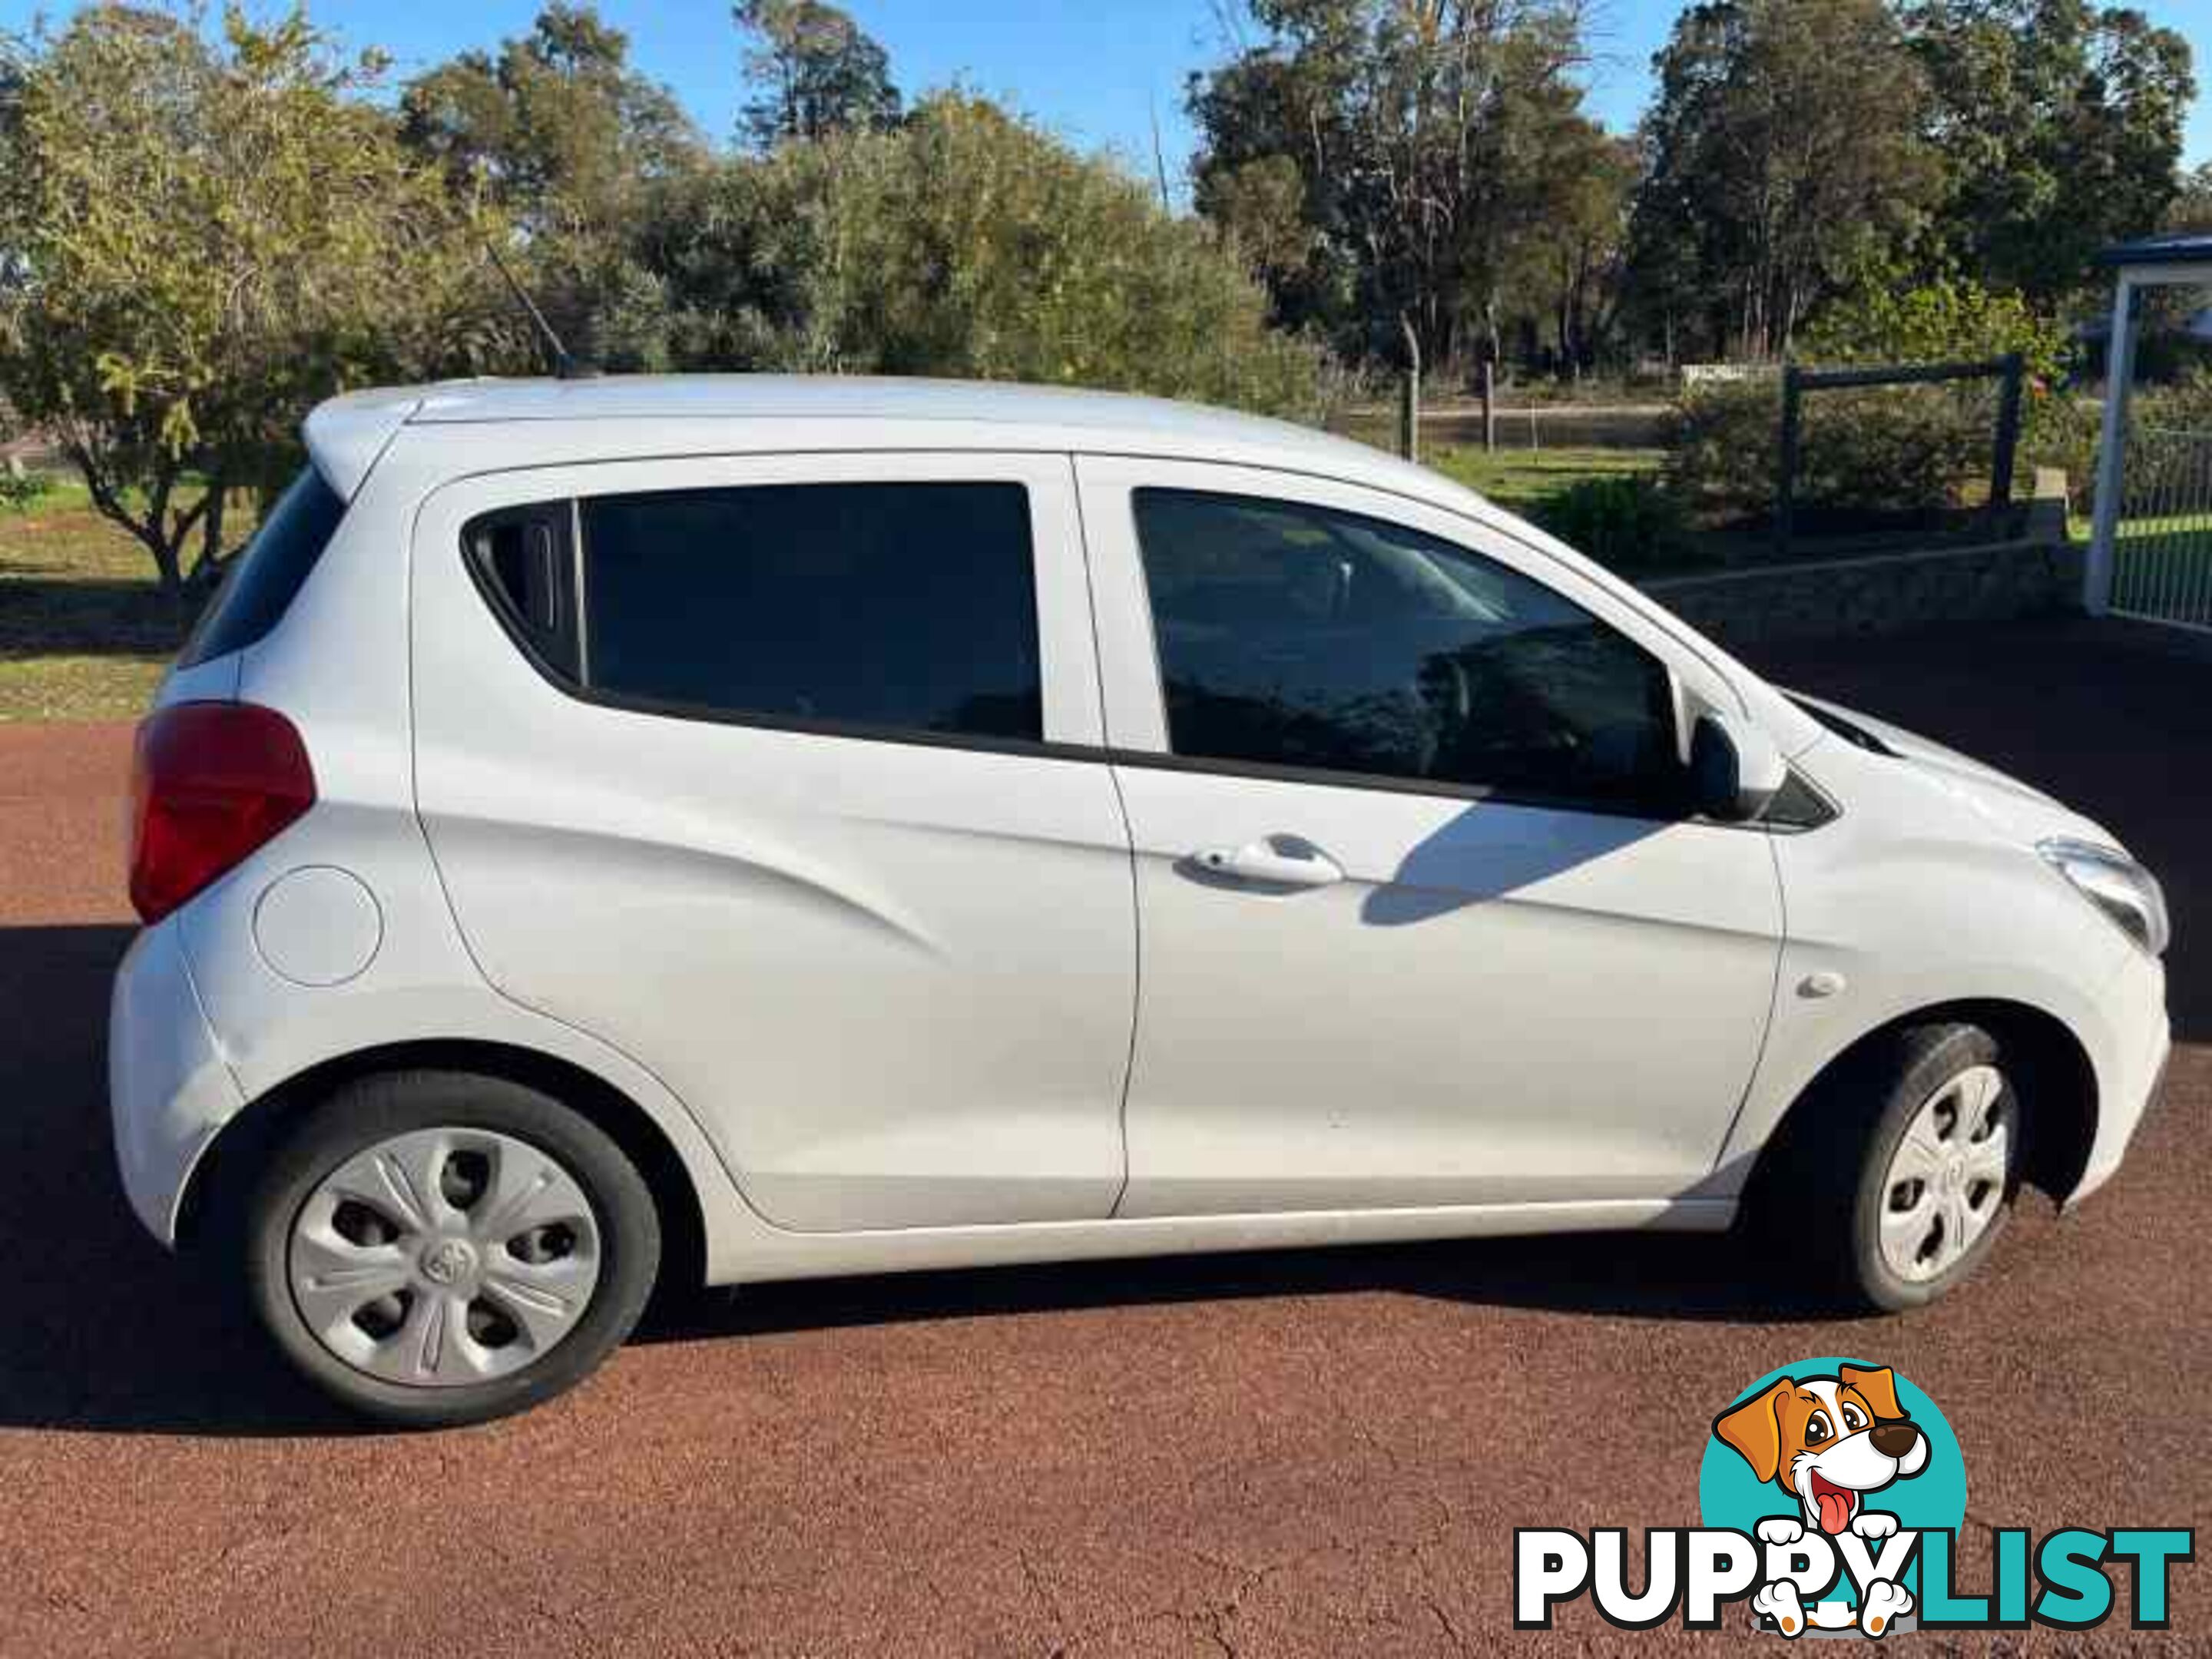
{"x": 1947, "y": 1178}
{"x": 444, "y": 1257}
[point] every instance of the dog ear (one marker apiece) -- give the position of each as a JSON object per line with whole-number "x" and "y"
{"x": 1879, "y": 1385}
{"x": 1754, "y": 1430}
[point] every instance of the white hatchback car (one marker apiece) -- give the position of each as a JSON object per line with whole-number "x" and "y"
{"x": 749, "y": 829}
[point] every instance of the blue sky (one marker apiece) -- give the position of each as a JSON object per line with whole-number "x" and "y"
{"x": 1096, "y": 70}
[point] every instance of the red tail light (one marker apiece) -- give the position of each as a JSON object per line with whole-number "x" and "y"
{"x": 213, "y": 781}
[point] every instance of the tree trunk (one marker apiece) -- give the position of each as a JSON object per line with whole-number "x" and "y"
{"x": 152, "y": 527}
{"x": 168, "y": 566}
{"x": 1409, "y": 406}
{"x": 208, "y": 569}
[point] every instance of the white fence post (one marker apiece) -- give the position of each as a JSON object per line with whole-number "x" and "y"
{"x": 2111, "y": 457}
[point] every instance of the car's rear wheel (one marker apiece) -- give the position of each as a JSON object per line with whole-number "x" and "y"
{"x": 432, "y": 1249}
{"x": 1897, "y": 1177}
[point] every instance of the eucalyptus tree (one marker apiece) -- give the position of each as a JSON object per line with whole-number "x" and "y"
{"x": 815, "y": 71}
{"x": 1418, "y": 129}
{"x": 199, "y": 240}
{"x": 968, "y": 242}
{"x": 562, "y": 133}
{"x": 2058, "y": 124}
{"x": 1784, "y": 154}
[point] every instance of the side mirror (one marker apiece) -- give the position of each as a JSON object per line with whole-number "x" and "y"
{"x": 1734, "y": 769}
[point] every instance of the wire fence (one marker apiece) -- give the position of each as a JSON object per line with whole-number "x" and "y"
{"x": 2162, "y": 548}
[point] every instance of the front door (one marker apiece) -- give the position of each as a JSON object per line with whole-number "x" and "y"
{"x": 759, "y": 770}
{"x": 1423, "y": 920}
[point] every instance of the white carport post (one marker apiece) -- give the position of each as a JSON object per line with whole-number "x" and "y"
{"x": 2155, "y": 262}
{"x": 2112, "y": 453}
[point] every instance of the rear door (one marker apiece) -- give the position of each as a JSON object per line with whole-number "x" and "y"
{"x": 759, "y": 769}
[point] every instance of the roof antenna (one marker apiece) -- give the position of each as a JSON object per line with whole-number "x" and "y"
{"x": 565, "y": 367}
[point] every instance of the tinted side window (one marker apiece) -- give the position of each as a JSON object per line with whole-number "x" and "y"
{"x": 1290, "y": 635}
{"x": 906, "y": 606}
{"x": 269, "y": 571}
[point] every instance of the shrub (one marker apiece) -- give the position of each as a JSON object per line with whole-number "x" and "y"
{"x": 2067, "y": 432}
{"x": 1903, "y": 449}
{"x": 1951, "y": 320}
{"x": 20, "y": 490}
{"x": 968, "y": 242}
{"x": 1722, "y": 448}
{"x": 1956, "y": 319}
{"x": 2184, "y": 406}
{"x": 1629, "y": 525}
{"x": 1880, "y": 450}
{"x": 2064, "y": 432}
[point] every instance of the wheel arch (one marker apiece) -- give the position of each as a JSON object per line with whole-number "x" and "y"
{"x": 2050, "y": 1065}
{"x": 218, "y": 1182}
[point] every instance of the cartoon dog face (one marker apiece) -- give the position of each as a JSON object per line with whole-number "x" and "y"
{"x": 1827, "y": 1441}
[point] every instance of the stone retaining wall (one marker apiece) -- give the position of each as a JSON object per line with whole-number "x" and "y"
{"x": 2039, "y": 576}
{"x": 2000, "y": 583}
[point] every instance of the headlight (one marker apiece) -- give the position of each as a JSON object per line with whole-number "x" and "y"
{"x": 2116, "y": 884}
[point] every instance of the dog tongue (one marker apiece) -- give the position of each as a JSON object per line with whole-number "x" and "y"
{"x": 1835, "y": 1509}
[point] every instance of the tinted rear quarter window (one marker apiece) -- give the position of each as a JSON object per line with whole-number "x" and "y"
{"x": 901, "y": 607}
{"x": 267, "y": 574}
{"x": 524, "y": 560}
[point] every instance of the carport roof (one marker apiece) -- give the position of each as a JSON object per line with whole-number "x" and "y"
{"x": 2187, "y": 248}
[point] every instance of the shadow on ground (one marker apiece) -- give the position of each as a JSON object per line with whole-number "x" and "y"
{"x": 68, "y": 616}
{"x": 1640, "y": 1275}
{"x": 109, "y": 1331}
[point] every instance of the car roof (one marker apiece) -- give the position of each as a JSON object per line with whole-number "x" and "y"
{"x": 348, "y": 433}
{"x": 803, "y": 396}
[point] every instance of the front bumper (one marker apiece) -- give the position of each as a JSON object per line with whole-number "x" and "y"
{"x": 168, "y": 1088}
{"x": 2128, "y": 1079}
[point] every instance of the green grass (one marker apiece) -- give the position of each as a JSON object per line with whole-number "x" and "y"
{"x": 1518, "y": 479}
{"x": 1629, "y": 525}
{"x": 85, "y": 632}
{"x": 2183, "y": 525}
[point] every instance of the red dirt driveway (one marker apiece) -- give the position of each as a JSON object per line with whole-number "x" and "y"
{"x": 1300, "y": 1452}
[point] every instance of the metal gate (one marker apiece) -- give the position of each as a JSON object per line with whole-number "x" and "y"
{"x": 2161, "y": 547}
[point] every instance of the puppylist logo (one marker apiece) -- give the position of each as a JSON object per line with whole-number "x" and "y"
{"x": 1831, "y": 1495}
{"x": 1824, "y": 1452}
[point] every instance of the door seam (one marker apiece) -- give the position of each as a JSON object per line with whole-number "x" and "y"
{"x": 1129, "y": 836}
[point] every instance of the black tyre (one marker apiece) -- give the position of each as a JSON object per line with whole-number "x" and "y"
{"x": 1894, "y": 1180}
{"x": 433, "y": 1248}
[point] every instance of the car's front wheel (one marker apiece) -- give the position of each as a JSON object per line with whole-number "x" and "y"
{"x": 1902, "y": 1168}
{"x": 434, "y": 1248}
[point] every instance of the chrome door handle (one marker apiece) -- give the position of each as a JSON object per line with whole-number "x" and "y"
{"x": 1276, "y": 861}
